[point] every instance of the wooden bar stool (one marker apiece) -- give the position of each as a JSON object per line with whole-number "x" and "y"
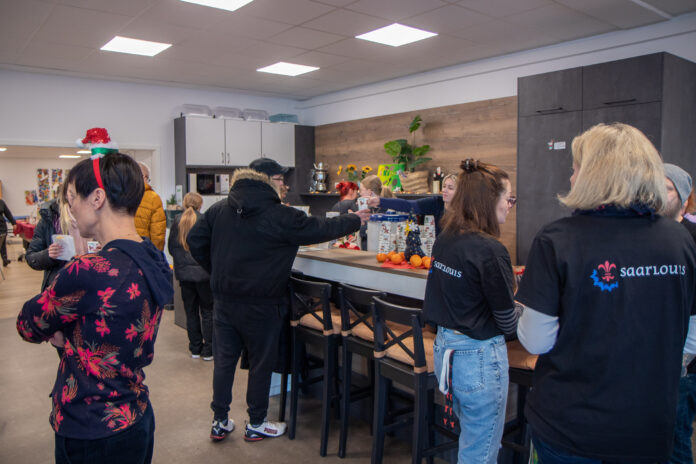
{"x": 312, "y": 322}
{"x": 357, "y": 337}
{"x": 404, "y": 354}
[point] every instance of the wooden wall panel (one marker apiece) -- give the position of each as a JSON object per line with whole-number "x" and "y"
{"x": 485, "y": 130}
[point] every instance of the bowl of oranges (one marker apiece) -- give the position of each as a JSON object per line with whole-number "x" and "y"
{"x": 394, "y": 259}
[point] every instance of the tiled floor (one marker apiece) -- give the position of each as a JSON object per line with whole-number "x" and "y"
{"x": 181, "y": 390}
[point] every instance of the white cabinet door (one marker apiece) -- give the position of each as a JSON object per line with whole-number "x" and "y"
{"x": 242, "y": 142}
{"x": 205, "y": 141}
{"x": 210, "y": 200}
{"x": 278, "y": 142}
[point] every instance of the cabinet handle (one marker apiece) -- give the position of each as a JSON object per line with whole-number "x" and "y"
{"x": 618, "y": 102}
{"x": 222, "y": 159}
{"x": 550, "y": 110}
{"x": 228, "y": 158}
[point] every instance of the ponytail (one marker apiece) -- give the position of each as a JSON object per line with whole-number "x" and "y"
{"x": 192, "y": 203}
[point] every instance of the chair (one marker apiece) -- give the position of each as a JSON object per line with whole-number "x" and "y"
{"x": 357, "y": 337}
{"x": 404, "y": 354}
{"x": 312, "y": 322}
{"x": 521, "y": 372}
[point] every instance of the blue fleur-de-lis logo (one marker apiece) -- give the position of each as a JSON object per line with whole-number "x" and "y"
{"x": 604, "y": 278}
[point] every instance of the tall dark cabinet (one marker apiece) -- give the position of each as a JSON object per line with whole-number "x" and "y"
{"x": 655, "y": 93}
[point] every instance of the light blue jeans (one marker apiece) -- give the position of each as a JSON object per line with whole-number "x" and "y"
{"x": 480, "y": 387}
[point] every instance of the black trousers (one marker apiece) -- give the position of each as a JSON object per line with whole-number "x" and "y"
{"x": 3, "y": 248}
{"x": 256, "y": 327}
{"x": 198, "y": 304}
{"x": 133, "y": 445}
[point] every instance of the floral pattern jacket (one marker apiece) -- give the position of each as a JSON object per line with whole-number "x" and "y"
{"x": 105, "y": 308}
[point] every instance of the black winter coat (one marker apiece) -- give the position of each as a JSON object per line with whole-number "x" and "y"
{"x": 5, "y": 213}
{"x": 248, "y": 241}
{"x": 186, "y": 269}
{"x": 37, "y": 252}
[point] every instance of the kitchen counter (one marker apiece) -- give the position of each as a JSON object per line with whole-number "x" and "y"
{"x": 362, "y": 269}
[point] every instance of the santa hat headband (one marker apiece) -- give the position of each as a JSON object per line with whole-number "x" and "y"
{"x": 99, "y": 143}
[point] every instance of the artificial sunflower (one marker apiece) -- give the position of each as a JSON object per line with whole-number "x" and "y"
{"x": 351, "y": 167}
{"x": 365, "y": 171}
{"x": 340, "y": 170}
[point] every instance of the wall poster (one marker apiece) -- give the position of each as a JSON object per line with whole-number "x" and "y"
{"x": 43, "y": 184}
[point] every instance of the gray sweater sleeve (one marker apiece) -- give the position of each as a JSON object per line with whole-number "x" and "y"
{"x": 537, "y": 331}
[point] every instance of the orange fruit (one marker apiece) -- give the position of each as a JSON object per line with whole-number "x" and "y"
{"x": 396, "y": 258}
{"x": 389, "y": 255}
{"x": 415, "y": 261}
{"x": 403, "y": 256}
{"x": 426, "y": 262}
{"x": 381, "y": 257}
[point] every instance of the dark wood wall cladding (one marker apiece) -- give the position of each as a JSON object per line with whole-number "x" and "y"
{"x": 485, "y": 130}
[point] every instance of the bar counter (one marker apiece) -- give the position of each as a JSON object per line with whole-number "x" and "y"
{"x": 362, "y": 269}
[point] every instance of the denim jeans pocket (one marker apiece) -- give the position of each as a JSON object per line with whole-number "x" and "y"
{"x": 467, "y": 370}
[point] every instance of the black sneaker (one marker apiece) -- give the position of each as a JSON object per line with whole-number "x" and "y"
{"x": 221, "y": 429}
{"x": 266, "y": 429}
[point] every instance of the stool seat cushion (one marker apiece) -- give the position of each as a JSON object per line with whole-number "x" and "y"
{"x": 397, "y": 353}
{"x": 519, "y": 358}
{"x": 311, "y": 322}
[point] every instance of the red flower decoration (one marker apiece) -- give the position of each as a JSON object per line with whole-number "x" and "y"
{"x": 133, "y": 291}
{"x": 96, "y": 135}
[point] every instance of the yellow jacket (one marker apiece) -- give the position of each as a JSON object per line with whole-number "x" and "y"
{"x": 150, "y": 220}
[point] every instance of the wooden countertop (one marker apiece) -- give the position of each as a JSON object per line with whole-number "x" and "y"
{"x": 360, "y": 259}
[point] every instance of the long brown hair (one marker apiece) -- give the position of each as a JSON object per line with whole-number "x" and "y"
{"x": 473, "y": 205}
{"x": 192, "y": 203}
{"x": 375, "y": 184}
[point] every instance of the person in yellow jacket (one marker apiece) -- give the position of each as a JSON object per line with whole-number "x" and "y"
{"x": 150, "y": 220}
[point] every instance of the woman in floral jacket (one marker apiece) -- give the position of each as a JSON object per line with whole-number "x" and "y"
{"x": 104, "y": 308}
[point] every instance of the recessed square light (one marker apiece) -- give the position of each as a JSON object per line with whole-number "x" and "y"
{"x": 229, "y": 5}
{"x": 3, "y": 149}
{"x": 84, "y": 152}
{"x": 69, "y": 156}
{"x": 287, "y": 69}
{"x": 135, "y": 46}
{"x": 396, "y": 35}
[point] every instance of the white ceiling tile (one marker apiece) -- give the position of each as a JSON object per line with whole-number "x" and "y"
{"x": 247, "y": 26}
{"x": 184, "y": 14}
{"x": 70, "y": 53}
{"x": 80, "y": 26}
{"x": 502, "y": 8}
{"x": 335, "y": 2}
{"x": 395, "y": 11}
{"x": 156, "y": 31}
{"x": 124, "y": 7}
{"x": 320, "y": 59}
{"x": 21, "y": 18}
{"x": 305, "y": 38}
{"x": 619, "y": 13}
{"x": 673, "y": 7}
{"x": 287, "y": 11}
{"x": 272, "y": 52}
{"x": 348, "y": 23}
{"x": 560, "y": 22}
{"x": 447, "y": 19}
{"x": 241, "y": 62}
{"x": 356, "y": 48}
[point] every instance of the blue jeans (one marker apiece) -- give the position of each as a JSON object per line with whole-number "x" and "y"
{"x": 480, "y": 387}
{"x": 547, "y": 454}
{"x": 686, "y": 410}
{"x": 133, "y": 445}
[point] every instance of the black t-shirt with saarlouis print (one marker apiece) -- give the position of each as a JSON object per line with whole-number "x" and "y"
{"x": 623, "y": 290}
{"x": 470, "y": 277}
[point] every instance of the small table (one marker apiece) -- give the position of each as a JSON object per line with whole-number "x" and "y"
{"x": 25, "y": 230}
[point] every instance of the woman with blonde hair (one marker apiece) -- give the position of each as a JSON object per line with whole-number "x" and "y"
{"x": 194, "y": 281}
{"x": 608, "y": 293}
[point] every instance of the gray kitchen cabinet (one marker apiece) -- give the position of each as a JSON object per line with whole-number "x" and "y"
{"x": 278, "y": 142}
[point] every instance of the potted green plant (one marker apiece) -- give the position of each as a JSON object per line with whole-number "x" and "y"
{"x": 411, "y": 156}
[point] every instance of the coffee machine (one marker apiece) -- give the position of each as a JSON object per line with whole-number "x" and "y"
{"x": 320, "y": 175}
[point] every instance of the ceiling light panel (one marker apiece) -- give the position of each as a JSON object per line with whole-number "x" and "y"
{"x": 69, "y": 156}
{"x": 135, "y": 46}
{"x": 396, "y": 35}
{"x": 287, "y": 69}
{"x": 229, "y": 5}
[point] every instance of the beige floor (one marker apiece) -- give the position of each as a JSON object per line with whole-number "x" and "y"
{"x": 180, "y": 393}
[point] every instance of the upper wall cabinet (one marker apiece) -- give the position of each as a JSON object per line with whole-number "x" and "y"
{"x": 278, "y": 142}
{"x": 229, "y": 142}
{"x": 205, "y": 141}
{"x": 623, "y": 82}
{"x": 548, "y": 93}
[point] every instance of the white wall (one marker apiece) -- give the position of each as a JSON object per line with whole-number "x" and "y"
{"x": 19, "y": 174}
{"x": 497, "y": 77}
{"x": 43, "y": 109}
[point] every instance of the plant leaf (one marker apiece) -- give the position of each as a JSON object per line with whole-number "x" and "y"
{"x": 415, "y": 124}
{"x": 422, "y": 150}
{"x": 393, "y": 148}
{"x": 420, "y": 161}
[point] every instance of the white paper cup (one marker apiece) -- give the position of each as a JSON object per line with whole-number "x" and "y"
{"x": 92, "y": 246}
{"x": 362, "y": 203}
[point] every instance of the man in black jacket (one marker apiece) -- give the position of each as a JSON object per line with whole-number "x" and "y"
{"x": 4, "y": 213}
{"x": 248, "y": 243}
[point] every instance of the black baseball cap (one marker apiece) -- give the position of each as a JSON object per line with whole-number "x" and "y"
{"x": 267, "y": 166}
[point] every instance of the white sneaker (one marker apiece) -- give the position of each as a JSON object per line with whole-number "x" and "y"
{"x": 266, "y": 429}
{"x": 195, "y": 356}
{"x": 208, "y": 358}
{"x": 221, "y": 429}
